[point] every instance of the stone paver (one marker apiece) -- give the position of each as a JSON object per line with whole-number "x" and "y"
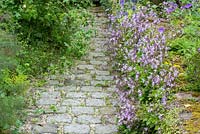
{"x": 100, "y": 95}
{"x": 91, "y": 88}
{"x": 106, "y": 129}
{"x": 82, "y": 110}
{"x": 82, "y": 101}
{"x": 88, "y": 119}
{"x": 48, "y": 128}
{"x": 46, "y": 101}
{"x": 59, "y": 118}
{"x": 77, "y": 128}
{"x": 95, "y": 102}
{"x": 76, "y": 95}
{"x": 73, "y": 102}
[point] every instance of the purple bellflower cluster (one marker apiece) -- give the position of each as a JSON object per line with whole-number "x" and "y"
{"x": 139, "y": 48}
{"x": 171, "y": 6}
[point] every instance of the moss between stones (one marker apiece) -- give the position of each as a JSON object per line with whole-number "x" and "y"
{"x": 192, "y": 126}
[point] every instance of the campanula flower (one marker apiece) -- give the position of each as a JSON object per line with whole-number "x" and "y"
{"x": 198, "y": 50}
{"x": 161, "y": 29}
{"x": 122, "y": 2}
{"x": 187, "y": 6}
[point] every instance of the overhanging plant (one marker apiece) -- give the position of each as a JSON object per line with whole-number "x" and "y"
{"x": 145, "y": 80}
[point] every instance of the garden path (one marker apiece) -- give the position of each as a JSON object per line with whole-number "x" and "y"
{"x": 83, "y": 102}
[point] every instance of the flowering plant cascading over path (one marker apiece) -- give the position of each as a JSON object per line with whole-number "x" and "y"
{"x": 144, "y": 79}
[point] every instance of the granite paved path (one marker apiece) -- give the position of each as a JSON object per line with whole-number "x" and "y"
{"x": 82, "y": 102}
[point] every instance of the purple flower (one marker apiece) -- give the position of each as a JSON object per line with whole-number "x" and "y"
{"x": 169, "y": 10}
{"x": 164, "y": 99}
{"x": 133, "y": 8}
{"x": 161, "y": 29}
{"x": 170, "y": 7}
{"x": 122, "y": 2}
{"x": 140, "y": 93}
{"x": 198, "y": 50}
{"x": 187, "y": 6}
{"x": 155, "y": 80}
{"x": 125, "y": 13}
{"x": 139, "y": 50}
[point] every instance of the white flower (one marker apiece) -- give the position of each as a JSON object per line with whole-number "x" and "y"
{"x": 24, "y": 6}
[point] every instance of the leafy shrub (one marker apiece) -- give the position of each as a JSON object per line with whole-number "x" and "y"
{"x": 8, "y": 50}
{"x": 13, "y": 85}
{"x": 42, "y": 22}
{"x": 193, "y": 72}
{"x": 11, "y": 113}
{"x": 107, "y": 4}
{"x": 12, "y": 90}
{"x": 50, "y": 32}
{"x": 145, "y": 79}
{"x": 186, "y": 43}
{"x": 186, "y": 20}
{"x": 47, "y": 32}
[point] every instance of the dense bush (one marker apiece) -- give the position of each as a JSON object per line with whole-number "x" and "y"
{"x": 41, "y": 22}
{"x": 50, "y": 32}
{"x": 145, "y": 79}
{"x": 107, "y": 4}
{"x": 193, "y": 71}
{"x": 187, "y": 42}
{"x": 8, "y": 50}
{"x": 13, "y": 87}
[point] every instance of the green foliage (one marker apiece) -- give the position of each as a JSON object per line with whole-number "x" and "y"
{"x": 107, "y": 4}
{"x": 12, "y": 84}
{"x": 145, "y": 90}
{"x": 49, "y": 35}
{"x": 152, "y": 124}
{"x": 12, "y": 91}
{"x": 123, "y": 129}
{"x": 143, "y": 2}
{"x": 193, "y": 72}
{"x": 8, "y": 50}
{"x": 35, "y": 61}
{"x": 187, "y": 42}
{"x": 41, "y": 22}
{"x": 10, "y": 113}
{"x": 79, "y": 3}
{"x": 50, "y": 32}
{"x": 157, "y": 119}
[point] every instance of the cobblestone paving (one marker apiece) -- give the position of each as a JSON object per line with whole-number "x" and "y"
{"x": 83, "y": 102}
